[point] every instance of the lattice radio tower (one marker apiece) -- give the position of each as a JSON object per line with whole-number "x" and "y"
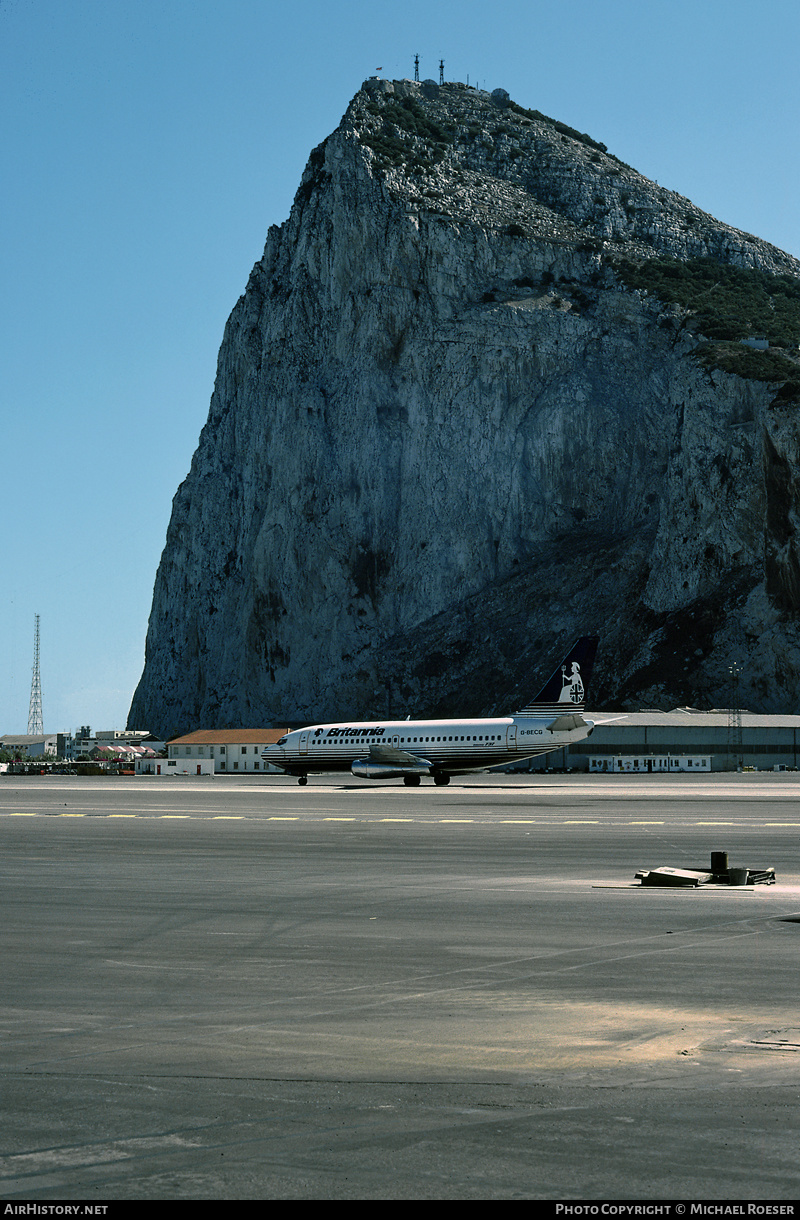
{"x": 35, "y": 728}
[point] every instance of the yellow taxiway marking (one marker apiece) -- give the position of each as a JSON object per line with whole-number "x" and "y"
{"x": 277, "y": 819}
{"x": 581, "y": 822}
{"x": 339, "y": 819}
{"x": 111, "y": 815}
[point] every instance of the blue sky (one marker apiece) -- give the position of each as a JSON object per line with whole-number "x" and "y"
{"x": 146, "y": 149}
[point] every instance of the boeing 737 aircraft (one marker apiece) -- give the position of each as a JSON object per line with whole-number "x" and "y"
{"x": 409, "y": 749}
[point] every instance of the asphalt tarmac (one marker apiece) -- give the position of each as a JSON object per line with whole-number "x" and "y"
{"x": 223, "y": 988}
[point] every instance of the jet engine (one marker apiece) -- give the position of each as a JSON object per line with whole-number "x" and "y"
{"x": 365, "y": 768}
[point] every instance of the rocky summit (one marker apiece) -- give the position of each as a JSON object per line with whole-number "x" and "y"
{"x": 487, "y": 389}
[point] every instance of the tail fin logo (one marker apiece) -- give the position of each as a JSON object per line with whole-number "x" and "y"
{"x": 566, "y": 687}
{"x": 571, "y": 686}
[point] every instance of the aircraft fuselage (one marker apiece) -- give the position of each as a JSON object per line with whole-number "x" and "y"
{"x": 381, "y": 749}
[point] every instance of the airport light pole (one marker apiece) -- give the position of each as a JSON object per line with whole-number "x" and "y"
{"x": 735, "y": 750}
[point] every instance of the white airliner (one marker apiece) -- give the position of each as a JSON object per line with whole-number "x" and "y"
{"x": 409, "y": 749}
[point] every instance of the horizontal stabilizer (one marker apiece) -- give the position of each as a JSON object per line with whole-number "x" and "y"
{"x": 565, "y": 724}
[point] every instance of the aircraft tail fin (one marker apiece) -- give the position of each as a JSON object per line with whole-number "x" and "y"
{"x": 565, "y": 690}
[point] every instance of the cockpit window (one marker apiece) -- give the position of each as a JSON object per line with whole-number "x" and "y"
{"x": 282, "y": 741}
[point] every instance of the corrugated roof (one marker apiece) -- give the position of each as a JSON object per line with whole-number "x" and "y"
{"x": 225, "y": 737}
{"x": 27, "y": 739}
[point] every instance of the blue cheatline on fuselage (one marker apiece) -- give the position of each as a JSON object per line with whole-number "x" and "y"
{"x": 441, "y": 748}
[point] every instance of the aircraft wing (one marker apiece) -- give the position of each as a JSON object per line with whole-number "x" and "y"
{"x": 399, "y": 758}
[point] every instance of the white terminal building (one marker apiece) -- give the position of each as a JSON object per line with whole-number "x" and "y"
{"x": 215, "y": 752}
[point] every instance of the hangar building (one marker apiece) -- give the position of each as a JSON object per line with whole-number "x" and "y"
{"x": 681, "y": 740}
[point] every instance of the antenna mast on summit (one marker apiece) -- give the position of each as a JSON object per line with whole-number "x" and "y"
{"x": 416, "y": 67}
{"x": 35, "y": 728}
{"x": 441, "y": 71}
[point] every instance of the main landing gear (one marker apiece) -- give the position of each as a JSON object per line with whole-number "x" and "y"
{"x": 302, "y": 779}
{"x": 413, "y": 781}
{"x": 439, "y": 779}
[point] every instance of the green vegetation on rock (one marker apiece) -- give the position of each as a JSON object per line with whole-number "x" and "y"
{"x": 770, "y": 366}
{"x": 562, "y": 128}
{"x": 726, "y": 305}
{"x": 407, "y": 136}
{"x": 725, "y": 302}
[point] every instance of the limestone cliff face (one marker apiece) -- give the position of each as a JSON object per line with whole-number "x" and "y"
{"x": 444, "y": 438}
